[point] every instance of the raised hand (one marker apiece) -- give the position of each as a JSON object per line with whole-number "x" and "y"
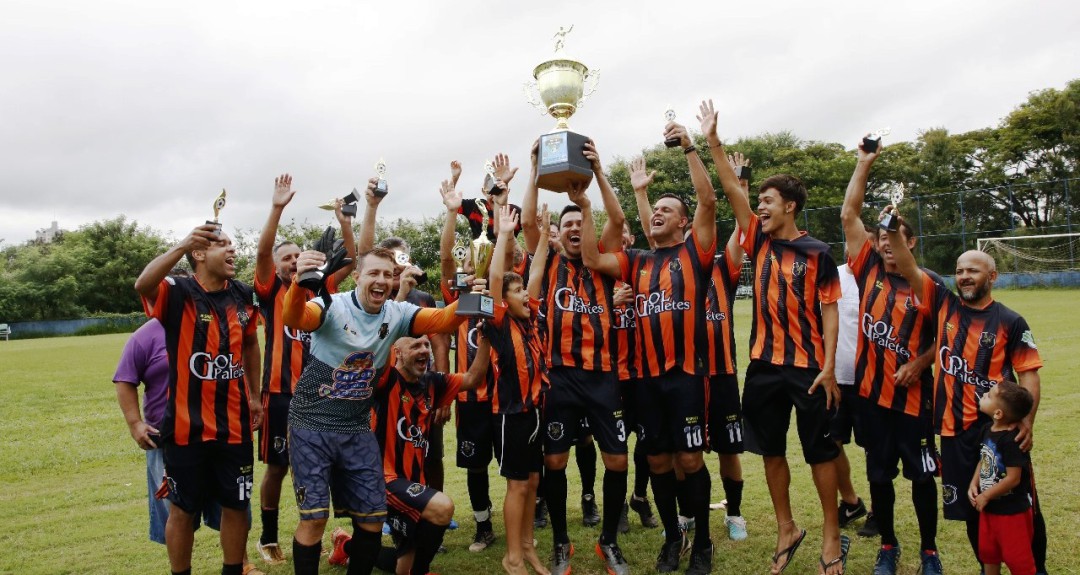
{"x": 201, "y": 237}
{"x": 455, "y": 172}
{"x": 543, "y": 221}
{"x": 534, "y": 154}
{"x": 865, "y": 156}
{"x": 502, "y": 198}
{"x": 738, "y": 160}
{"x": 675, "y": 130}
{"x": 640, "y": 178}
{"x": 503, "y": 171}
{"x": 341, "y": 217}
{"x": 283, "y": 192}
{"x": 451, "y": 198}
{"x": 369, "y": 192}
{"x": 508, "y": 219}
{"x": 576, "y": 194}
{"x": 707, "y": 116}
{"x": 591, "y": 154}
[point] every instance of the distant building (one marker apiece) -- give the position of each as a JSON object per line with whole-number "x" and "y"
{"x": 47, "y": 235}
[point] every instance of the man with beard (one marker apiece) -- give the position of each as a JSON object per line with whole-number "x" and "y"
{"x": 213, "y": 401}
{"x": 980, "y": 342}
{"x": 284, "y": 355}
{"x": 581, "y": 351}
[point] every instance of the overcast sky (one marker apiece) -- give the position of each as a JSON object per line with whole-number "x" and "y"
{"x": 148, "y": 109}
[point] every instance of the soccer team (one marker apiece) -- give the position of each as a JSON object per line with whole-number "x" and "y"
{"x": 590, "y": 337}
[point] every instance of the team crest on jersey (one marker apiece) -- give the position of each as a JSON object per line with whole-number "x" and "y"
{"x": 1029, "y": 339}
{"x": 675, "y": 266}
{"x": 948, "y": 494}
{"x": 301, "y": 496}
{"x": 243, "y": 317}
{"x": 353, "y": 379}
{"x": 556, "y": 430}
{"x": 880, "y": 285}
{"x": 467, "y": 448}
{"x": 384, "y": 330}
{"x": 586, "y": 274}
{"x": 205, "y": 318}
{"x": 416, "y": 489}
{"x": 909, "y": 304}
{"x": 987, "y": 339}
{"x": 280, "y": 443}
{"x": 798, "y": 269}
{"x": 949, "y": 327}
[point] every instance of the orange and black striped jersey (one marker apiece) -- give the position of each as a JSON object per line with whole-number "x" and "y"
{"x": 204, "y": 336}
{"x": 624, "y": 329}
{"x": 892, "y": 331}
{"x": 670, "y": 287}
{"x": 405, "y": 412}
{"x": 466, "y": 341}
{"x": 517, "y": 350}
{"x": 578, "y": 316}
{"x": 976, "y": 349}
{"x": 792, "y": 280}
{"x": 285, "y": 349}
{"x": 719, "y": 311}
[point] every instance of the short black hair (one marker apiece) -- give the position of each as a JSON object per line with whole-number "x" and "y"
{"x": 394, "y": 243}
{"x": 378, "y": 252}
{"x": 283, "y": 244}
{"x": 791, "y": 189}
{"x": 509, "y": 278}
{"x": 1016, "y": 401}
{"x": 571, "y": 208}
{"x": 682, "y": 202}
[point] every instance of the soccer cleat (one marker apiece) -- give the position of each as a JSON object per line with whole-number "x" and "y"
{"x": 644, "y": 510}
{"x": 701, "y": 561}
{"x": 339, "y": 556}
{"x": 624, "y": 519}
{"x": 251, "y": 569}
{"x": 590, "y": 513}
{"x": 736, "y": 528}
{"x": 930, "y": 563}
{"x": 686, "y": 524}
{"x": 869, "y": 528}
{"x": 540, "y": 520}
{"x": 482, "y": 540}
{"x": 887, "y": 560}
{"x": 271, "y": 553}
{"x": 614, "y": 562}
{"x": 560, "y": 558}
{"x": 849, "y": 513}
{"x": 670, "y": 553}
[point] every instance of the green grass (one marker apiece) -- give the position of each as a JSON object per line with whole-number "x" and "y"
{"x": 74, "y": 499}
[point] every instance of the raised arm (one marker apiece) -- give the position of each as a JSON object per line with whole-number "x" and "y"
{"x": 905, "y": 261}
{"x": 297, "y": 312}
{"x": 349, "y": 243}
{"x": 740, "y": 203}
{"x": 854, "y": 232}
{"x": 148, "y": 281}
{"x": 264, "y": 251}
{"x": 705, "y": 213}
{"x": 528, "y": 205}
{"x": 605, "y": 263}
{"x": 611, "y": 237}
{"x": 477, "y": 372}
{"x": 367, "y": 228}
{"x": 640, "y": 178}
{"x": 452, "y": 200}
{"x": 734, "y": 248}
{"x": 536, "y": 271}
{"x": 507, "y": 221}
{"x": 436, "y": 320}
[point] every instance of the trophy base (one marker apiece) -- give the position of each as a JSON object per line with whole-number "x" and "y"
{"x": 890, "y": 223}
{"x": 562, "y": 161}
{"x": 472, "y": 304}
{"x": 870, "y": 145}
{"x": 673, "y": 142}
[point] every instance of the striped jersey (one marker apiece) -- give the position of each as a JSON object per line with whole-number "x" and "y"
{"x": 405, "y": 414}
{"x": 578, "y": 315}
{"x": 719, "y": 310}
{"x": 517, "y": 350}
{"x": 466, "y": 342}
{"x": 285, "y": 349}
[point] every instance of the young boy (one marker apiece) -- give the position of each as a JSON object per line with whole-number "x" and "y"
{"x": 515, "y": 405}
{"x": 1001, "y": 487}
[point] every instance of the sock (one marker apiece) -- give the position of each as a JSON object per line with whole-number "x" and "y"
{"x": 614, "y": 492}
{"x": 733, "y": 494}
{"x": 641, "y": 472}
{"x": 1038, "y": 538}
{"x": 387, "y": 560}
{"x": 363, "y": 551}
{"x": 699, "y": 484}
{"x": 269, "y": 526}
{"x": 480, "y": 497}
{"x": 663, "y": 487}
{"x": 684, "y": 497}
{"x": 884, "y": 499}
{"x": 428, "y": 539}
{"x": 184, "y": 572}
{"x": 306, "y": 558}
{"x": 925, "y": 497}
{"x": 555, "y": 485}
{"x": 973, "y": 535}
{"x": 234, "y": 569}
{"x": 585, "y": 454}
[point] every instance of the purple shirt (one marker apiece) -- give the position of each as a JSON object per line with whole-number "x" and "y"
{"x": 145, "y": 360}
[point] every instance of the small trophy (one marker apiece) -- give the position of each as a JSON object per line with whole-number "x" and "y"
{"x": 219, "y": 204}
{"x": 460, "y": 253}
{"x": 490, "y": 185}
{"x": 349, "y": 201}
{"x": 669, "y": 115}
{"x": 743, "y": 173}
{"x": 871, "y": 142}
{"x": 401, "y": 258}
{"x": 380, "y": 187}
{"x": 474, "y": 303}
{"x": 891, "y": 221}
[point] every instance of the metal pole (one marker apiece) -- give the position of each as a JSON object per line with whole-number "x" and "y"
{"x": 1068, "y": 224}
{"x": 963, "y": 224}
{"x": 1012, "y": 226}
{"x": 918, "y": 206}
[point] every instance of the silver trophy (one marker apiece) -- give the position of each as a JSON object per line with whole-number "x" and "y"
{"x": 870, "y": 143}
{"x": 669, "y": 115}
{"x": 891, "y": 220}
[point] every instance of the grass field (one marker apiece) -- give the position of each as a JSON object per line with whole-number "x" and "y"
{"x": 73, "y": 496}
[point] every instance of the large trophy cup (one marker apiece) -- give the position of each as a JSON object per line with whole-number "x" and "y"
{"x": 561, "y": 86}
{"x": 474, "y": 303}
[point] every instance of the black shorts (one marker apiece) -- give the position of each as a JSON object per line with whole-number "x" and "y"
{"x": 577, "y": 394}
{"x": 517, "y": 444}
{"x": 475, "y": 440}
{"x": 959, "y": 458}
{"x": 435, "y": 445}
{"x": 346, "y": 467}
{"x": 274, "y": 433}
{"x": 209, "y": 471}
{"x": 847, "y": 421}
{"x": 406, "y": 501}
{"x": 768, "y": 396}
{"x": 628, "y": 388}
{"x": 891, "y": 437}
{"x": 671, "y": 413}
{"x": 725, "y": 414}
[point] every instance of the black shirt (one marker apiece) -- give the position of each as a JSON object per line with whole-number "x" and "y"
{"x": 1000, "y": 451}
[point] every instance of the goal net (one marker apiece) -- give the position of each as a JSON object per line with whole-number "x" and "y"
{"x": 1034, "y": 254}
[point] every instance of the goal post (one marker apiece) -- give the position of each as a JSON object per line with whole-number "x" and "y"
{"x": 1034, "y": 254}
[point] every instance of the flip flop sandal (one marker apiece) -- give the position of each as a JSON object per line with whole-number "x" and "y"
{"x": 845, "y": 545}
{"x": 789, "y": 552}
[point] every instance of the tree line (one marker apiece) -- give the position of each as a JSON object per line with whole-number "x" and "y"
{"x": 1015, "y": 177}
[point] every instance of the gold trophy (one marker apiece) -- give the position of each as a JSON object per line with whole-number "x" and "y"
{"x": 219, "y": 204}
{"x": 474, "y": 303}
{"x": 348, "y": 207}
{"x": 460, "y": 253}
{"x": 561, "y": 86}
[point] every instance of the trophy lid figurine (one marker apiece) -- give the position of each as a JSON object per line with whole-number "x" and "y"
{"x": 891, "y": 220}
{"x": 491, "y": 188}
{"x": 669, "y": 115}
{"x": 381, "y": 188}
{"x": 561, "y": 86}
{"x": 219, "y": 204}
